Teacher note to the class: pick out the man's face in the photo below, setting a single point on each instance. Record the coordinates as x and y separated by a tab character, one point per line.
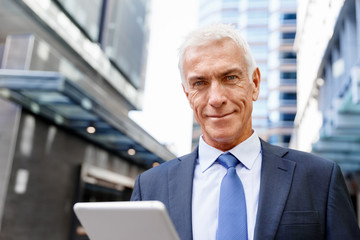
220	92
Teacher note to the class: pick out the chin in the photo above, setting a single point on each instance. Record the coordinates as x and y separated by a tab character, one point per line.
223	134
223	139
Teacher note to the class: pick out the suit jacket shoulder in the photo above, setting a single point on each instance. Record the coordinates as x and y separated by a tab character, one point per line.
302	194
170	183
157	176
295	155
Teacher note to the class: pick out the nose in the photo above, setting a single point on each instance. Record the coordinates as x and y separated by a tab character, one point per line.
217	94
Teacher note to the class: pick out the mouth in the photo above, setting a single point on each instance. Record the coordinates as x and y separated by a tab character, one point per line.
218	116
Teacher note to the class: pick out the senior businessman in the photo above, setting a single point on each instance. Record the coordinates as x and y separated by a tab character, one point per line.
235	185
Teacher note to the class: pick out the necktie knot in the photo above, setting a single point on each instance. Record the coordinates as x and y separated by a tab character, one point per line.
228	160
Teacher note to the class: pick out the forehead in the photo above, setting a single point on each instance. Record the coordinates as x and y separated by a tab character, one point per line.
220	45
213	55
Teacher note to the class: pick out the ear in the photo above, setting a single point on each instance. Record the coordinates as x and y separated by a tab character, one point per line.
184	89
256	78
187	94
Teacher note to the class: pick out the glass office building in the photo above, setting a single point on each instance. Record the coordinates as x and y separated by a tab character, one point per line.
269	26
71	70
329	80
328	120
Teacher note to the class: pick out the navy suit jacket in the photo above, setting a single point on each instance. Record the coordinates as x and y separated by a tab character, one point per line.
301	196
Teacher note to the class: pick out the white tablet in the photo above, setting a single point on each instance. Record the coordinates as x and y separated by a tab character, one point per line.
126	220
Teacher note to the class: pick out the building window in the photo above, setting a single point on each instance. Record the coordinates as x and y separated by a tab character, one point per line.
288	35
119	27
288	19
288	75
125	36
288	96
86	14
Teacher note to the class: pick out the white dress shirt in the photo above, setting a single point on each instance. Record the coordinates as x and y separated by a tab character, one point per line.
206	185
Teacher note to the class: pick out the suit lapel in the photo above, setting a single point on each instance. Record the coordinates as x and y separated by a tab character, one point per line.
276	179
180	194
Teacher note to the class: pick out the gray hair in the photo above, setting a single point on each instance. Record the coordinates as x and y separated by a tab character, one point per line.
211	33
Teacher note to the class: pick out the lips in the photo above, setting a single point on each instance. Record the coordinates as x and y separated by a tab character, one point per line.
219	115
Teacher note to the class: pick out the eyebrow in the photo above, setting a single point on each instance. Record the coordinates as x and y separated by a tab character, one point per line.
232	70
196	77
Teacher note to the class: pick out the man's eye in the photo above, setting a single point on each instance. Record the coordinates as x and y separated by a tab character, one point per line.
198	83
231	77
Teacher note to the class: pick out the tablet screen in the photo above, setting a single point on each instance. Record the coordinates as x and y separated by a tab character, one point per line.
126	220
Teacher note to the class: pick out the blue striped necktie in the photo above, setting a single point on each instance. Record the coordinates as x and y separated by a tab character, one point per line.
232	220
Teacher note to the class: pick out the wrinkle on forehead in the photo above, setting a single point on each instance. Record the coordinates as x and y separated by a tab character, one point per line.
198	55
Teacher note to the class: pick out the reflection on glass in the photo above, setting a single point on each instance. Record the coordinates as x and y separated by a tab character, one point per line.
125	34
86	13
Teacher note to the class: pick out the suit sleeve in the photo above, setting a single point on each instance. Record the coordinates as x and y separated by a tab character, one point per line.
341	219
136	194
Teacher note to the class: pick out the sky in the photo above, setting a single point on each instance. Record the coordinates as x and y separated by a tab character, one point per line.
166	114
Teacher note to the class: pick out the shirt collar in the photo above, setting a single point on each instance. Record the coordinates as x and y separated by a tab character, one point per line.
246	152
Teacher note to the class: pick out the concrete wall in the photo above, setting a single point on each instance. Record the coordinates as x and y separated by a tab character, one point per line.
44	177
9	117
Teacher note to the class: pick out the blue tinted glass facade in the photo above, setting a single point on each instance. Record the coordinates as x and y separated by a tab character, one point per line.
87	14
119	27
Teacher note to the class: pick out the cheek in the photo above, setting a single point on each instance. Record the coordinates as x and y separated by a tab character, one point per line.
193	96
245	91
243	85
